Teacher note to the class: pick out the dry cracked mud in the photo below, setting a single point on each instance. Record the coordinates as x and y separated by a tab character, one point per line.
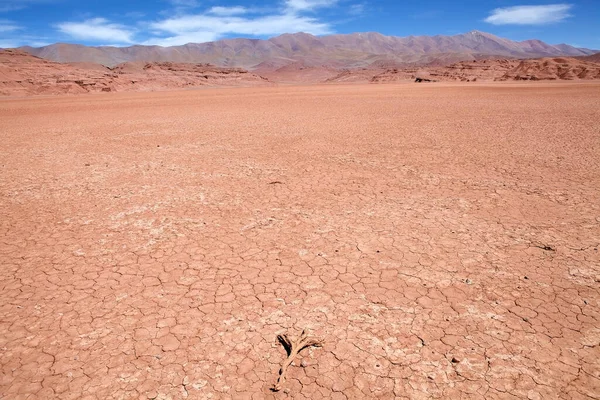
443	239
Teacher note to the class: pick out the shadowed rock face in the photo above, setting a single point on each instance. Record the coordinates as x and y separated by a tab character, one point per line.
24	74
349	51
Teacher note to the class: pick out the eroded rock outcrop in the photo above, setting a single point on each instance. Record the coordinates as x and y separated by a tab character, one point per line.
24	74
552	69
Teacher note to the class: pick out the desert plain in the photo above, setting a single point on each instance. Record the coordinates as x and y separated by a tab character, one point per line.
442	240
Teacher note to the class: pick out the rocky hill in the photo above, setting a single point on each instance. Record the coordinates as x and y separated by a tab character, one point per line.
24	74
553	69
558	68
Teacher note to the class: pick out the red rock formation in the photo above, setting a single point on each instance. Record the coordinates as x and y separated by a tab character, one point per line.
482	70
553	69
24	74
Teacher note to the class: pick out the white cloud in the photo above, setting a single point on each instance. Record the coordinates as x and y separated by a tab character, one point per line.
10	7
225	11
308	5
23	41
97	30
529	15
8	26
213	25
356	9
184	3
185	26
263	25
8	44
14	5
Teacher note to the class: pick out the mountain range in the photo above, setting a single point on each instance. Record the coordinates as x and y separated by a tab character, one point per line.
335	51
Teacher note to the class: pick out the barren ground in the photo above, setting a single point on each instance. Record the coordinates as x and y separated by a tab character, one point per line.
441	239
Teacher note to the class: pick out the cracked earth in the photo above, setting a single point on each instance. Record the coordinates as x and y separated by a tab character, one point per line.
442	240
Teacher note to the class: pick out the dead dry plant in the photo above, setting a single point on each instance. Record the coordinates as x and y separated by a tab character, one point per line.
293	348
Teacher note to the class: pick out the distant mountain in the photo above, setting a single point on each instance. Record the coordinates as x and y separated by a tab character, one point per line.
592	58
334	51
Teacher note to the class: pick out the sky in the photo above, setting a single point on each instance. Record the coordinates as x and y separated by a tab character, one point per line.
177	22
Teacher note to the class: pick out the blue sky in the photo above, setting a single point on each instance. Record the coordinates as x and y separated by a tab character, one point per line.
176	22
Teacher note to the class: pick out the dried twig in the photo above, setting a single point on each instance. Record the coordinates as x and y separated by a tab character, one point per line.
292	348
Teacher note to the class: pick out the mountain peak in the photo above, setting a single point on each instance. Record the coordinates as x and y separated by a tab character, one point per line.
299	34
479	33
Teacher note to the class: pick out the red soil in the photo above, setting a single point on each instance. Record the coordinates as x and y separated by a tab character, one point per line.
443	241
297	72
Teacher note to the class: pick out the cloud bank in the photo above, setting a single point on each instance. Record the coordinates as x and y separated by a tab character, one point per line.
529	15
186	23
218	22
8	26
97	30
